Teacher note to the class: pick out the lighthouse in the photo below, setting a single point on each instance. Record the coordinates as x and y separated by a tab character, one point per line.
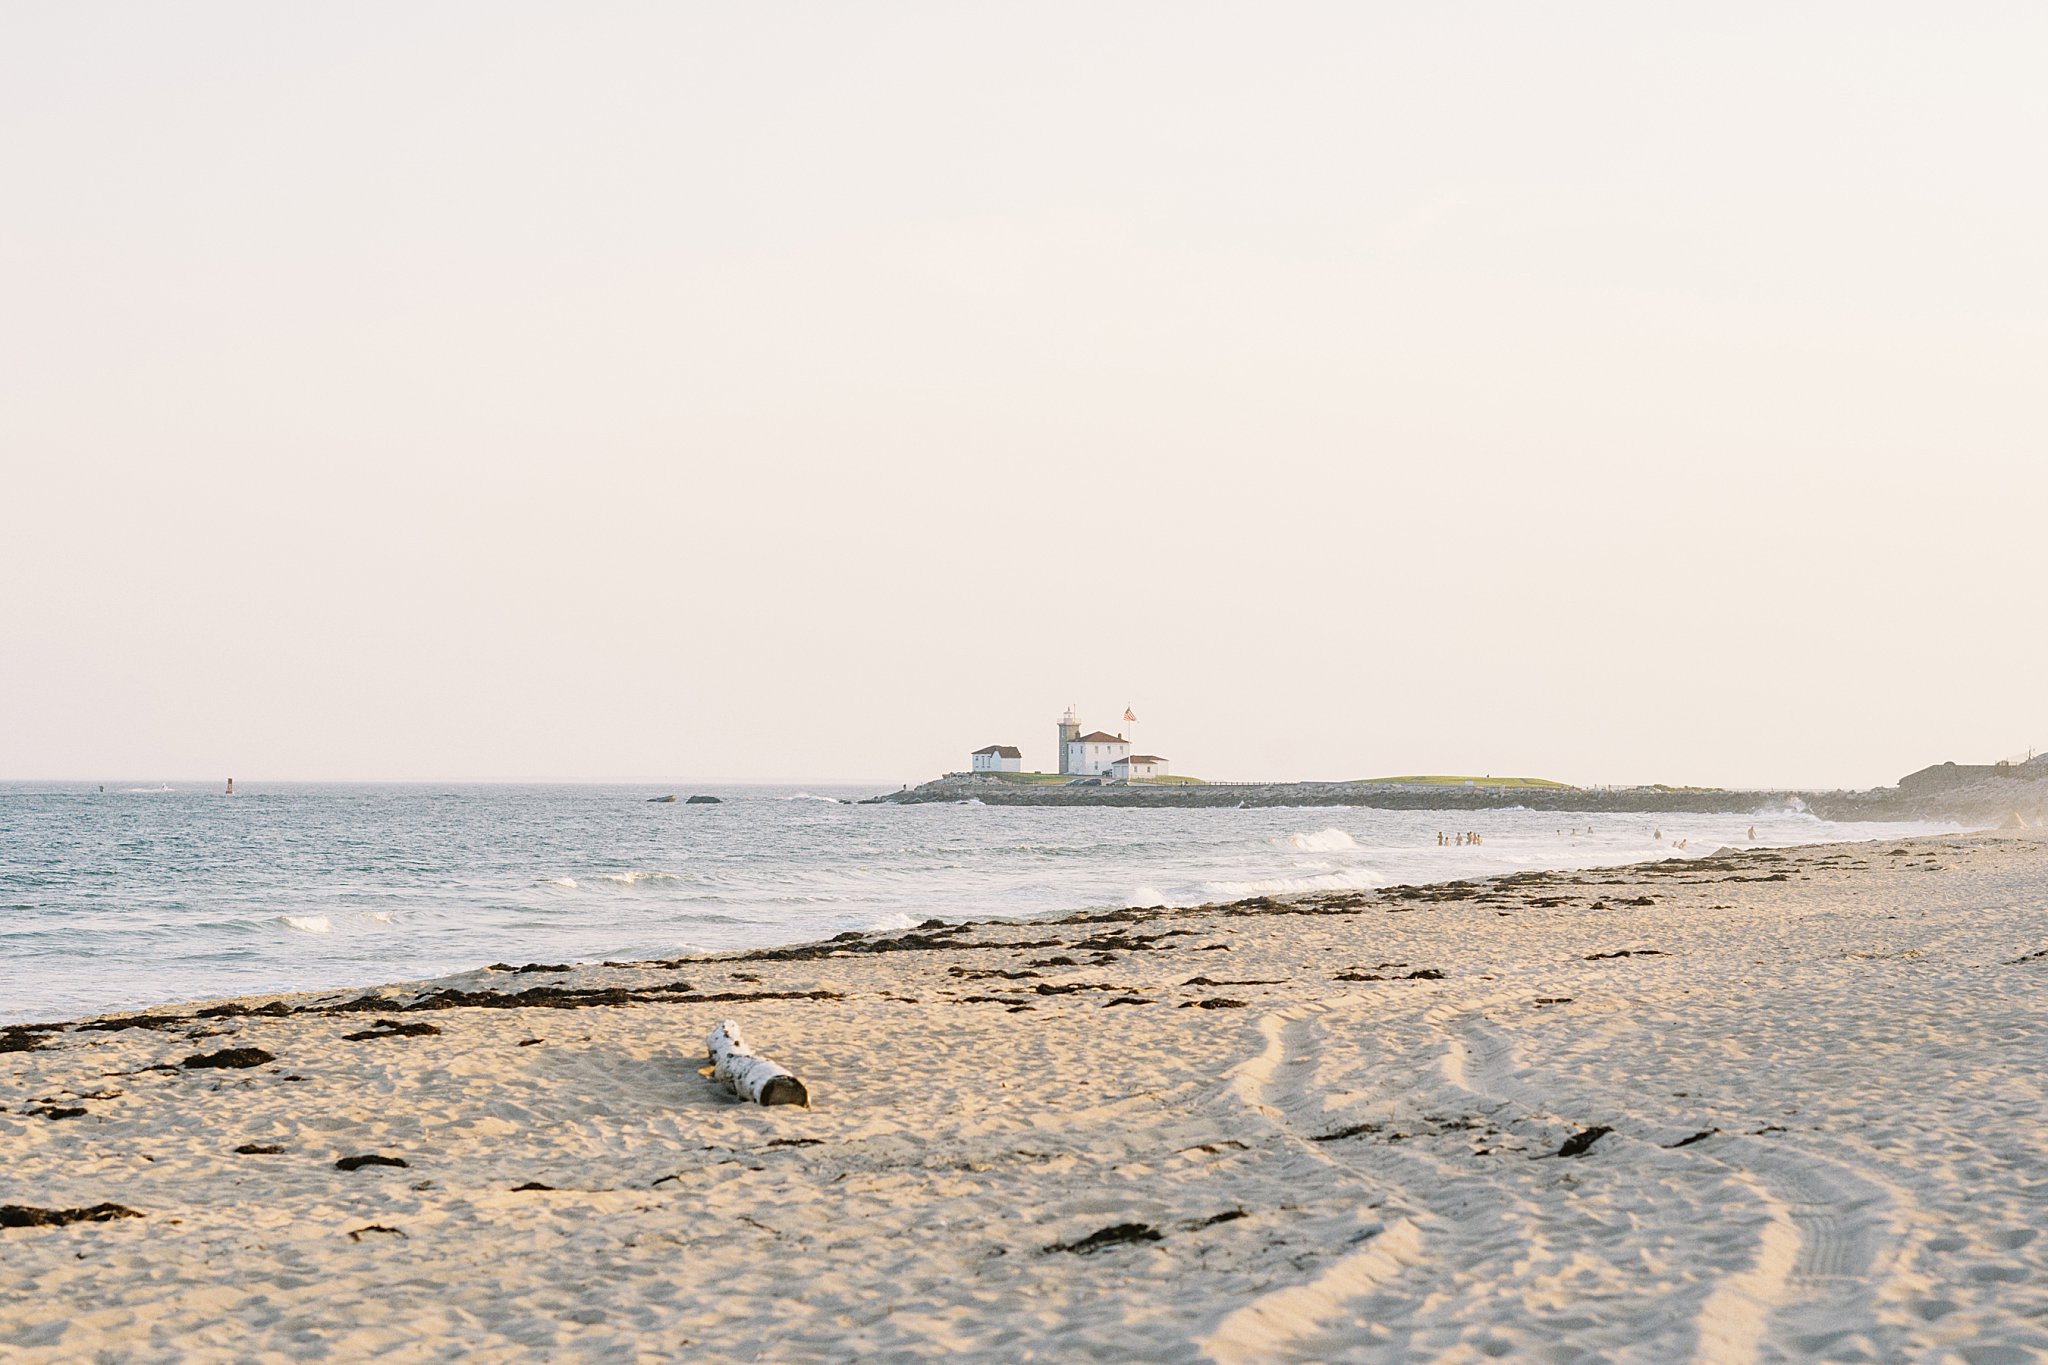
1070	731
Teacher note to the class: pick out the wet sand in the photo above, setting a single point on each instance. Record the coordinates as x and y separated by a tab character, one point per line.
1768	1105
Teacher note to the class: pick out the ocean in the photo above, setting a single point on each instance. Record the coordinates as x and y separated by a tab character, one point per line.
147	893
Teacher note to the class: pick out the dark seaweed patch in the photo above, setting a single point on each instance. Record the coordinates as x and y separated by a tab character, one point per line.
1580	1143
28	1216
392	1028
229	1058
20	1038
1116	1235
357	1235
1354	1130
356	1163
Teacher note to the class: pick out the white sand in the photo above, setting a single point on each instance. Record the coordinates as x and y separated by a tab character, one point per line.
1866	1054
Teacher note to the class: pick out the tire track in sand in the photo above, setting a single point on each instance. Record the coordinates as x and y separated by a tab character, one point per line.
1278	1324
1829	1236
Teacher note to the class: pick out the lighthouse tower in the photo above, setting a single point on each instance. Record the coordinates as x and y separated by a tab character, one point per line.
1070	730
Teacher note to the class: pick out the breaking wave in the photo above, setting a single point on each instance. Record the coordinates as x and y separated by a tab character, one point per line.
307	924
634	878
1322	841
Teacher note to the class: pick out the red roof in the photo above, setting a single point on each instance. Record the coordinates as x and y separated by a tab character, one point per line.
1100	738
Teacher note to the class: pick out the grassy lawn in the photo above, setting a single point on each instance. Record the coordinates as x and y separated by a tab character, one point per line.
1443	781
1056	779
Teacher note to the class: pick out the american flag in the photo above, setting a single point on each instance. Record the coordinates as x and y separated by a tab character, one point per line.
1130	715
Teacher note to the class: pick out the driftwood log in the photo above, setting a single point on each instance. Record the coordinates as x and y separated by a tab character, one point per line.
753	1078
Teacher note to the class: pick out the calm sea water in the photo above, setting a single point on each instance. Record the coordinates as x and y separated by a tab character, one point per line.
143	894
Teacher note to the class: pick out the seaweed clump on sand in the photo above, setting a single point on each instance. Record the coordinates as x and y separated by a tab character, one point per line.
229	1058
28	1216
356	1163
1119	1234
21	1038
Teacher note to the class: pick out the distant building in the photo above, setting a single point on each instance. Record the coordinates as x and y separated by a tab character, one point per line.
999	758
1137	765
1090	755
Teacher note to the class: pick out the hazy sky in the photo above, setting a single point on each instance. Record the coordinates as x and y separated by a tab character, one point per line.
1607	392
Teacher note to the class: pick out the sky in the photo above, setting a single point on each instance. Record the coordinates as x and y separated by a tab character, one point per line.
1605	392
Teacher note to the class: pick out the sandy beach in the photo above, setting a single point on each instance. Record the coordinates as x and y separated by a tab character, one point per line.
1773	1105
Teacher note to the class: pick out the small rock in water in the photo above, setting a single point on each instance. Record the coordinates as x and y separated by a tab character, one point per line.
703	801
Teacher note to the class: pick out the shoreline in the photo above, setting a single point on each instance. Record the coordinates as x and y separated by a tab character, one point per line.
1329	1125
1040	917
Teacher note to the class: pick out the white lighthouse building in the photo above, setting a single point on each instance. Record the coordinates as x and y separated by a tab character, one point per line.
1089	755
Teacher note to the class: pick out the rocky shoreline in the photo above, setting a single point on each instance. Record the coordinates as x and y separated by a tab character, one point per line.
1990	800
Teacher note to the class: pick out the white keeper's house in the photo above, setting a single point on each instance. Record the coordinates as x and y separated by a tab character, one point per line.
1098	754
1093	754
999	758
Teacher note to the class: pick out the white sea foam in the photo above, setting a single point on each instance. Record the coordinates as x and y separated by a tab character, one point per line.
381	917
566	883
809	796
1322	841
1356	879
633	878
891	923
1145	895
307	924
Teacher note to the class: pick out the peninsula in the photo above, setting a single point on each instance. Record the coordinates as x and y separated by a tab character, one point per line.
1096	770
